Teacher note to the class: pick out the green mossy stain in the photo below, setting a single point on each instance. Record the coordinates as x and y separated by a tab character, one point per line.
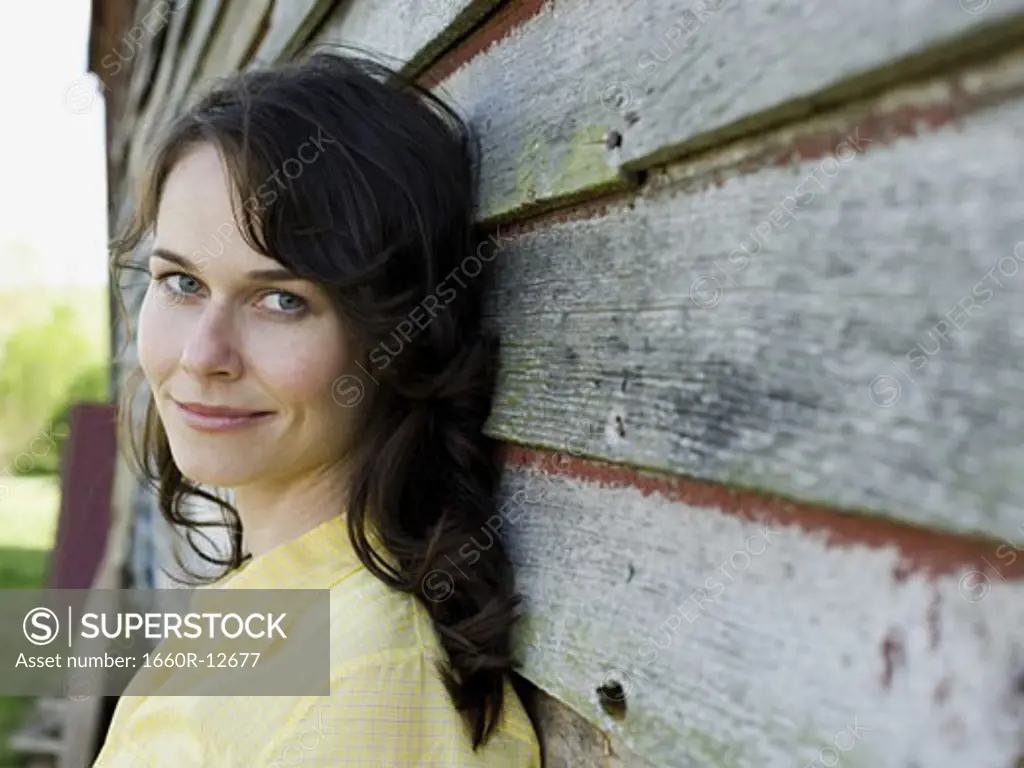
584	164
541	176
532	167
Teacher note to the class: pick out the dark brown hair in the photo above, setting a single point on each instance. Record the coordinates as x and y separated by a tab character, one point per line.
381	218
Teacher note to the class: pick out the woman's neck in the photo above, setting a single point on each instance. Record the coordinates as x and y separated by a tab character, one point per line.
274	514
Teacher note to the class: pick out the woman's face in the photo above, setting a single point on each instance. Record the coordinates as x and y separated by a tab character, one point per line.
241	357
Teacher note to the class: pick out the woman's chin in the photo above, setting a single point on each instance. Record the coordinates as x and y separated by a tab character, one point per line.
216	478
214	470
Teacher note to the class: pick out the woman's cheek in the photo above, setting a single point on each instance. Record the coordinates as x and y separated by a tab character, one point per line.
300	363
296	375
157	337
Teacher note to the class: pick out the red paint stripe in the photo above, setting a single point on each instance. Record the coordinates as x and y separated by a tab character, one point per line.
921	550
491	31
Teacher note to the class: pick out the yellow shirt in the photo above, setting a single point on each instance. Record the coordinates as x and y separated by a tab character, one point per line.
388	705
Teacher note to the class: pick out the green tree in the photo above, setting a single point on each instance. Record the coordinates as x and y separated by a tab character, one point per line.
41	366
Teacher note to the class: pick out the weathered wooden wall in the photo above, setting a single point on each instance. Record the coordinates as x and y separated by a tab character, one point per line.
757	283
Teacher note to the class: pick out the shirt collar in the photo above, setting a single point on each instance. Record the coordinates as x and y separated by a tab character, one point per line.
313	560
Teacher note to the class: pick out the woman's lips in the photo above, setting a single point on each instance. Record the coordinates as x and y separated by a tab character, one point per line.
210	419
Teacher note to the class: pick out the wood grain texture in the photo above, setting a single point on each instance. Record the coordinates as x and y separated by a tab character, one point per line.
291	24
241	28
206	14
409	33
136	57
532	98
145	42
852	337
723	63
568	740
666	75
156	110
743	644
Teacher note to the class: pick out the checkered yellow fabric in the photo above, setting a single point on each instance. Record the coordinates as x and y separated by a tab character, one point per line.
388	706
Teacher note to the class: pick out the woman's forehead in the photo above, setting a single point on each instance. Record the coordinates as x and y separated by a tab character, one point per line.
197	191
196	218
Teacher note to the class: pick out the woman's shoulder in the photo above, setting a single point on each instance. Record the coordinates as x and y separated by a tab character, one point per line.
382	638
371	622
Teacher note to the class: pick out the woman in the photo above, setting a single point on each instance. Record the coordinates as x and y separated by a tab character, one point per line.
311	340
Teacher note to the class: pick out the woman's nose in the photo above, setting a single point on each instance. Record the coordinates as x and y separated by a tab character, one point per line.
211	347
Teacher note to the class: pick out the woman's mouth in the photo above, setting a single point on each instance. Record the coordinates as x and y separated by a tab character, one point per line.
215	418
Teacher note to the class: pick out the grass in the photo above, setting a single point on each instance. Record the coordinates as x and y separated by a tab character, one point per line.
28	525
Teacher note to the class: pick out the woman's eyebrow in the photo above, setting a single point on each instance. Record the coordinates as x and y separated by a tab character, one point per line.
279	273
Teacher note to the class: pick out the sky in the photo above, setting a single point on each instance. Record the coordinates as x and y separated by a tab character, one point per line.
53	217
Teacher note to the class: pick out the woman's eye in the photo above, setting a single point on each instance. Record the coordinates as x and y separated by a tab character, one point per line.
285	303
178	282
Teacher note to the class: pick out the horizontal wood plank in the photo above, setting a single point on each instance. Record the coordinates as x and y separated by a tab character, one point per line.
408	33
141	48
533	98
136	58
206	14
291	24
568	740
698	638
852	337
549	98
726	64
151	117
241	28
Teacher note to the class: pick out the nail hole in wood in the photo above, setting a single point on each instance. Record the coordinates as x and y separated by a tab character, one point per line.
612	697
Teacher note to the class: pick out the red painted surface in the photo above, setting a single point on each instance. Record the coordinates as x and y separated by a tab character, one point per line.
921	549
492	30
87	478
